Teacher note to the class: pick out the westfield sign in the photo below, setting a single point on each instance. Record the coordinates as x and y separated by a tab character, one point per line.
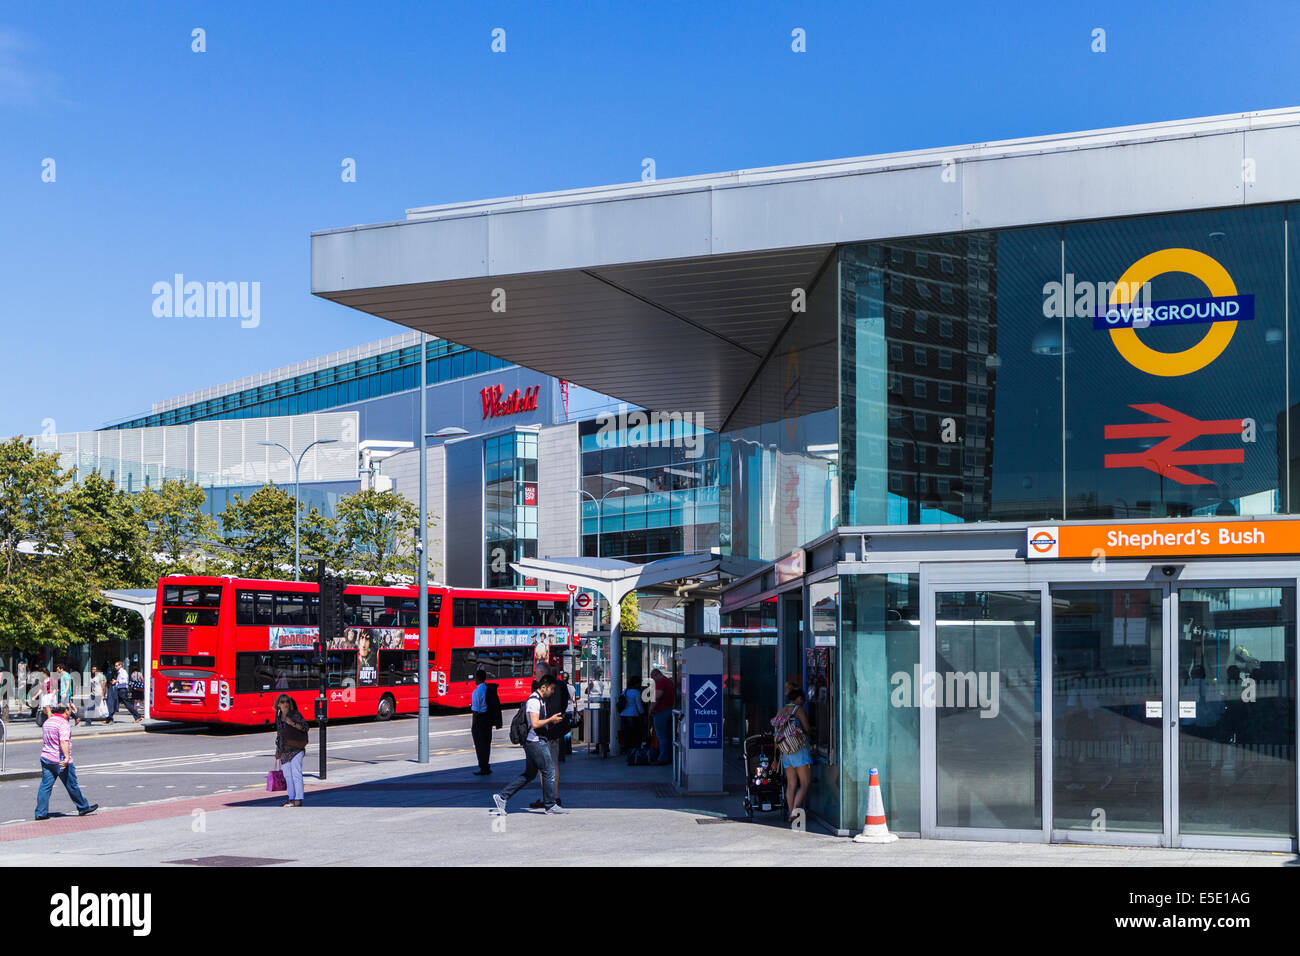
497	403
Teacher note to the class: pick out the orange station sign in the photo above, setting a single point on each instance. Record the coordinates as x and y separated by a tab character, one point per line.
1164	540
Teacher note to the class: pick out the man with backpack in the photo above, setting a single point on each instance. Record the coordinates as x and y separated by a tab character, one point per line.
529	728
557	703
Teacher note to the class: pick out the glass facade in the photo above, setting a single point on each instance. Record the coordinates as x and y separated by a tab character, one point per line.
1134	368
510	506
1137	368
779	454
879	655
671	468
343	384
749	647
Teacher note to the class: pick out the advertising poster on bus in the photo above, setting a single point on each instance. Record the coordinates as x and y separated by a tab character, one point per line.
291	638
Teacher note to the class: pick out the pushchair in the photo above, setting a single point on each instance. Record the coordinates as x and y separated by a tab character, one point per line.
764	783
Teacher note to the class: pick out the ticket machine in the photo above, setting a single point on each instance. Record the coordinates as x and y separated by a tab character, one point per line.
700	729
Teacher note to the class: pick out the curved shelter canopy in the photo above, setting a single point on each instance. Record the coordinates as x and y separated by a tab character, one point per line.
671	294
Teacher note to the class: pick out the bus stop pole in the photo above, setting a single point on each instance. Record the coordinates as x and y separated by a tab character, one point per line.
422	729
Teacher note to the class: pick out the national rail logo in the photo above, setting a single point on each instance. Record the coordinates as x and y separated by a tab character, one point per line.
1221	310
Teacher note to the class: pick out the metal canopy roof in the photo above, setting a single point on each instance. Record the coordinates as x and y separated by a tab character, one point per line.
668	294
688	575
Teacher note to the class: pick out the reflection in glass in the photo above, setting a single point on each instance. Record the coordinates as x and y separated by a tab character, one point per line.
880	641
988	706
1107	753
1236	693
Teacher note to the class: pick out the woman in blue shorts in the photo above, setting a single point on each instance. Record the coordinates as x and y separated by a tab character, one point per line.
791	725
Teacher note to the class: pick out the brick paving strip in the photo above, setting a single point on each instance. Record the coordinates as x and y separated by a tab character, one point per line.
122	816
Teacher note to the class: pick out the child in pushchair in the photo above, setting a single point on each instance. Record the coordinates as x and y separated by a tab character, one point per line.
764	786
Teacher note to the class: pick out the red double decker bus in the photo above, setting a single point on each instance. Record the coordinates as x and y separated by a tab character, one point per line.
225	648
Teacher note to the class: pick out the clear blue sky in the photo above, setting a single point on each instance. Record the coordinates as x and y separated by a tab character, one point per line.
219	165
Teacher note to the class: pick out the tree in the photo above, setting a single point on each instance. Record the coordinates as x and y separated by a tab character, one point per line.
110	530
629	612
181	535
259	532
48	589
110	541
374	537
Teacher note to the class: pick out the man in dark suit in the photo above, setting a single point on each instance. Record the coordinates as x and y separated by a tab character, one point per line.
485	706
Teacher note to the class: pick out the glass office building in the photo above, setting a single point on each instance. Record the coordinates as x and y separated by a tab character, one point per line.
1012	425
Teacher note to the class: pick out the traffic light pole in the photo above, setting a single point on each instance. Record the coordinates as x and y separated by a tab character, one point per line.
322	699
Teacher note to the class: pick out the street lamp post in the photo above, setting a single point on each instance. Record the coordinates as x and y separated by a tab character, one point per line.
422	743
614	670
422	730
598	507
297	463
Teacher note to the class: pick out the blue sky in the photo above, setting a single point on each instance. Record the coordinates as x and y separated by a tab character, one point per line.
218	165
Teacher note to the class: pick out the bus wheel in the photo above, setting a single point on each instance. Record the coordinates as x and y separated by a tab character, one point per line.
387	707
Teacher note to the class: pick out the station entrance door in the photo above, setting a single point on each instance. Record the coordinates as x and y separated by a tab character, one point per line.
1137	704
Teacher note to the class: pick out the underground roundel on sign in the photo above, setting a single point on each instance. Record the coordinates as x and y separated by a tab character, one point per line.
1043	542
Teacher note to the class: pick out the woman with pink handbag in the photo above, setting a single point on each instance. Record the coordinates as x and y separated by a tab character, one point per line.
290	746
789	728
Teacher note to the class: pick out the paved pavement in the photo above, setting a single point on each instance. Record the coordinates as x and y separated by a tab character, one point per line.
388	810
169	761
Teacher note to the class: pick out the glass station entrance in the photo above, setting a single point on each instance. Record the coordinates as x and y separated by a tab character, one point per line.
1140	704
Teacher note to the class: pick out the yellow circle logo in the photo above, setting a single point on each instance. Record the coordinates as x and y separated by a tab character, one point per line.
1169	364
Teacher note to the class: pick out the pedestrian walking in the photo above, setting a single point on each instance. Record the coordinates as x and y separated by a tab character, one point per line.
537	751
290	746
556	705
96	704
662	715
63	681
119	692
56	764
482	722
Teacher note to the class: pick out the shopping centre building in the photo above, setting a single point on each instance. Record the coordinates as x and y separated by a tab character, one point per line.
525	480
1009	426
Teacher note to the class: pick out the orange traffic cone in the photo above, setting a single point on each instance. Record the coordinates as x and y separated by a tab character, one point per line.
874	829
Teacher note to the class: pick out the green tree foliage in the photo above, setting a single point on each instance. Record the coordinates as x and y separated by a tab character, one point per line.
109	527
259	533
182	536
374	537
629	612
48	581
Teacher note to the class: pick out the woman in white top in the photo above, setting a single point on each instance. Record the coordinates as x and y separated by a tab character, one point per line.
97	686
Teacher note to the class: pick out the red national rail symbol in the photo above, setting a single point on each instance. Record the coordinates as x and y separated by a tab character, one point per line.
1177	430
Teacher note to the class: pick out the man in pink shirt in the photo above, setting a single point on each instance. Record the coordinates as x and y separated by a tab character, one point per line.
56	762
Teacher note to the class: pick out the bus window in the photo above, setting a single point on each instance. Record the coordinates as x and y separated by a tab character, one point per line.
191	596
512	614
398	667
341	669
464	612
290	609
